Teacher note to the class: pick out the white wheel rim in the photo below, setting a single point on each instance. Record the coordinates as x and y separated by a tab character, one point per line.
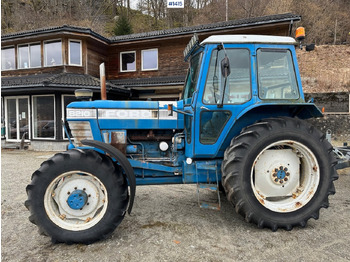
285	176
58	209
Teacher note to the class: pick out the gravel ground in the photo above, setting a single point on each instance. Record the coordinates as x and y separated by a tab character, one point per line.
167	225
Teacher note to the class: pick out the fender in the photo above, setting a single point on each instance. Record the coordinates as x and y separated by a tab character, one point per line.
301	110
255	112
122	160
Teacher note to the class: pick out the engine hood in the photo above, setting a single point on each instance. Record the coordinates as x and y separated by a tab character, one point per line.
127	114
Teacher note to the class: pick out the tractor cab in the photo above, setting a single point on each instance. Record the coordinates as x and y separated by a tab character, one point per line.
235	80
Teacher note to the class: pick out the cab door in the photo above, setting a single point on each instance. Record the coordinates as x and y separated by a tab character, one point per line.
220	100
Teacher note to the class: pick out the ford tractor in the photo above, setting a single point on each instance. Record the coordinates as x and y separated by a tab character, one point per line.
240	127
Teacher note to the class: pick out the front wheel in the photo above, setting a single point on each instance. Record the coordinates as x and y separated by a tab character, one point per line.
77	197
279	172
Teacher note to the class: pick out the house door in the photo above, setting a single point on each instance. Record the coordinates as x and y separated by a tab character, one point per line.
17	118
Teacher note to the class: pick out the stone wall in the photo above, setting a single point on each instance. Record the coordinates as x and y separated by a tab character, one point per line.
37	145
332	102
337	114
338	124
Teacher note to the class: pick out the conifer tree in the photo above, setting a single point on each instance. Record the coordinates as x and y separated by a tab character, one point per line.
122	26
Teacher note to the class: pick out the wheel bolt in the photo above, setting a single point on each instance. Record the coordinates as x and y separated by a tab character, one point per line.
285	179
75	188
276	180
68	193
89	195
84	189
287	174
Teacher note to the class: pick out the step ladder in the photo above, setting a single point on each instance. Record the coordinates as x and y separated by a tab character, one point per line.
212	187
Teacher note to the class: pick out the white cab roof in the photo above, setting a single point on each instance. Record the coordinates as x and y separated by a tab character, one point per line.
249	39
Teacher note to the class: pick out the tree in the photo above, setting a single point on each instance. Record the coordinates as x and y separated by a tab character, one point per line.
122	26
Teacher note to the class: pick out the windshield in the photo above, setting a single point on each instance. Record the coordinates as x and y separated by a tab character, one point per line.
191	79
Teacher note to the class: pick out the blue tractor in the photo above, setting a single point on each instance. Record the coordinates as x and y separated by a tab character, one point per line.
239	127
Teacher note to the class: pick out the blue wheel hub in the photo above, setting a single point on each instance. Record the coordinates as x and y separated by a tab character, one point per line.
77	199
280	175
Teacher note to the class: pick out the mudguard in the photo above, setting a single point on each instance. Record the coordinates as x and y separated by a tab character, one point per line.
122	160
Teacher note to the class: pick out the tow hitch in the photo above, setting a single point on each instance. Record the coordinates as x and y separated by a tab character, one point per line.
342	153
343	156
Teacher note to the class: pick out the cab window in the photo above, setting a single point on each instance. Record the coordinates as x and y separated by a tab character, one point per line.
211	125
192	78
276	74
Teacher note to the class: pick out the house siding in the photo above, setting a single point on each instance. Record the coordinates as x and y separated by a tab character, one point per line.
170	59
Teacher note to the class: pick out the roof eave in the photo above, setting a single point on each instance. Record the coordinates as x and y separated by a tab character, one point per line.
61	29
58	87
205	30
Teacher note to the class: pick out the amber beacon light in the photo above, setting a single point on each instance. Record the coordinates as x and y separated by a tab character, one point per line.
300	33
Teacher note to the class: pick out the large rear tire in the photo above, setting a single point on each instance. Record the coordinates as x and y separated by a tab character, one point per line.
279	172
79	196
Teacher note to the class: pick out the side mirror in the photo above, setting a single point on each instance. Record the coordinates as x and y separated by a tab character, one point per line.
225	67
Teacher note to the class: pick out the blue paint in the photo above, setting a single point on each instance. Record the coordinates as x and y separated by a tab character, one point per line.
77	199
159	180
109	104
131	149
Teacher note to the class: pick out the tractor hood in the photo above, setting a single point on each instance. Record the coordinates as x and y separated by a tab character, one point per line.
127	114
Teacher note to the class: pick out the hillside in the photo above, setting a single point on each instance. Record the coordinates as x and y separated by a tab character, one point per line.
325	21
326	69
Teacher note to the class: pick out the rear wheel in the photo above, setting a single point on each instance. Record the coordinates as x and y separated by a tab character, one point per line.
77	197
279	172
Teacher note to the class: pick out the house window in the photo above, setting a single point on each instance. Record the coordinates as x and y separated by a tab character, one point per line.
29	56
128	61
75	52
2	118
35	55
23	56
44	116
149	59
8	58
53	53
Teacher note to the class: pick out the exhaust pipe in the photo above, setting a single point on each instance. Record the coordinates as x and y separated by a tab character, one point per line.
103	82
